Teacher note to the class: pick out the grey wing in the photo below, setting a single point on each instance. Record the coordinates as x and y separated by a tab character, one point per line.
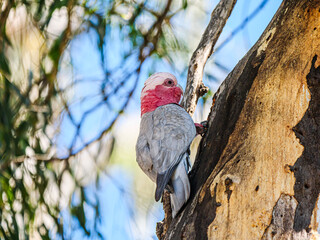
173	132
143	148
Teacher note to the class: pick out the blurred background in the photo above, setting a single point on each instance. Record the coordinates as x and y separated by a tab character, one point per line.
71	73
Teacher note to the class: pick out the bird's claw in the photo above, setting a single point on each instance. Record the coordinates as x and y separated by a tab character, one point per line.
205	124
202	128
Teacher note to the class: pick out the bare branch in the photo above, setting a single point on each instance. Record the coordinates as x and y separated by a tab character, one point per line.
195	87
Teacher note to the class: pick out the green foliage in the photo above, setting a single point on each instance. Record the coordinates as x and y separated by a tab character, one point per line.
31	99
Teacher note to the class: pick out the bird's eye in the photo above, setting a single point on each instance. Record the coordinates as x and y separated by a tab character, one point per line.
169	82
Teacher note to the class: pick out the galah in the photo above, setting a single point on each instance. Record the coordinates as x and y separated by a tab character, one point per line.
166	132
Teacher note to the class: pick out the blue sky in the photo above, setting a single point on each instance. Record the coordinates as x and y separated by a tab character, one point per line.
118	209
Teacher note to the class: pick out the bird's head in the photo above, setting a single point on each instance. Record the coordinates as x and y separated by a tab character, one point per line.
159	89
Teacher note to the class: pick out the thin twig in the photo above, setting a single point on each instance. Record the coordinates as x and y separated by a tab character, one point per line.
195	87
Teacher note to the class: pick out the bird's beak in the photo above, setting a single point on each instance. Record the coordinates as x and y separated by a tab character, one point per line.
178	85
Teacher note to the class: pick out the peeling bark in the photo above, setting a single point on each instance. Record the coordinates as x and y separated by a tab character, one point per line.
281	226
307	168
282	218
257	171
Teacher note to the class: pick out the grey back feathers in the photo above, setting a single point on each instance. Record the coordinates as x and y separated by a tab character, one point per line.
163	142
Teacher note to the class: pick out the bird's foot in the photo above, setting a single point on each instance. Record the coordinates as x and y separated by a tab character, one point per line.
202	127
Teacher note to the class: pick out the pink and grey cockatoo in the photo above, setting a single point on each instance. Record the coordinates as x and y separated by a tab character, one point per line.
166	132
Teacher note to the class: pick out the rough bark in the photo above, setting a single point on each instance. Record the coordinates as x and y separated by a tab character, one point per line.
257	172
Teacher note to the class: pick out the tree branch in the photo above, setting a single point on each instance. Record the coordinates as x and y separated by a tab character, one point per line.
195	87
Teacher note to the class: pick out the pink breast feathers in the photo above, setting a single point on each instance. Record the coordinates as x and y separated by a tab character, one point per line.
159	96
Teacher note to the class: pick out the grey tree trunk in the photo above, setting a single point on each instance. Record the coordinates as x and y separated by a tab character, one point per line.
257	172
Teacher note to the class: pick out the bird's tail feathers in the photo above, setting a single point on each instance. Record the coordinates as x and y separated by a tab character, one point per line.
163	178
181	186
162	181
